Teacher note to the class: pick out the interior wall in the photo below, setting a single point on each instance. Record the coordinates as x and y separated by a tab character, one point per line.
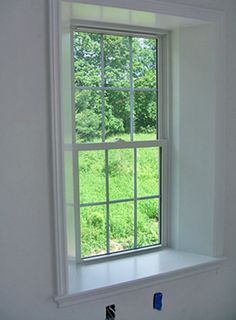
27	277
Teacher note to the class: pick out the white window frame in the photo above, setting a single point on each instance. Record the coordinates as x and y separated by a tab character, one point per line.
161	142
62	295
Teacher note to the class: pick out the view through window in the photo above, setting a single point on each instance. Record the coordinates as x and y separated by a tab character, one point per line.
116	140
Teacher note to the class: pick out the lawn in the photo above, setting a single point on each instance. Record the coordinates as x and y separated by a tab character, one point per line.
121	186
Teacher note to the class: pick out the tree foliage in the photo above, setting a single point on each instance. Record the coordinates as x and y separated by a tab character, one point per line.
116	72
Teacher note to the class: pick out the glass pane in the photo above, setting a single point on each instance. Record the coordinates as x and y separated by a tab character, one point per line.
117	115
116	61
148	222
121	174
92	175
148	171
93	230
121	226
145	115
144	62
87	59
70	231
88	117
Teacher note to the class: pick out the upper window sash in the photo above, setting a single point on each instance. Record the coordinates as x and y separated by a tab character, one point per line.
130	89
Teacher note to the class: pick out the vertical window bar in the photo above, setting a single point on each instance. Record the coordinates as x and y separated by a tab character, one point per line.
160	193
102	80
106	151
107	203
131	90
77	204
159	88
132	137
135	198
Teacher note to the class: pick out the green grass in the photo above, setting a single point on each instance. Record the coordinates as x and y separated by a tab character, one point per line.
121	186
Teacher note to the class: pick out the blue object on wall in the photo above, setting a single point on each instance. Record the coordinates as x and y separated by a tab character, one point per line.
157	301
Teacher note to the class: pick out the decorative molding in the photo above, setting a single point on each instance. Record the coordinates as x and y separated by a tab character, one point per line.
161	7
57	154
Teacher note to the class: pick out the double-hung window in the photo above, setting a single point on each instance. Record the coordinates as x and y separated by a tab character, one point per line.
117	142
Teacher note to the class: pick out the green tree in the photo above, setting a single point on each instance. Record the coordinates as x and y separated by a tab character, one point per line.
87	67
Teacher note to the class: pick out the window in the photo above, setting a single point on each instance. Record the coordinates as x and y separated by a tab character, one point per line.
185	69
117	150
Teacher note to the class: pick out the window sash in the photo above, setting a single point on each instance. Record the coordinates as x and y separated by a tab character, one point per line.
131	89
76	147
112	146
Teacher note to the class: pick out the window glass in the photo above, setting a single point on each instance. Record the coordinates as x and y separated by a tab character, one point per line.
87	59
88	116
148	172
144	62
118	179
117	115
116	61
93	230
121	226
92	176
148	222
121	174
145	115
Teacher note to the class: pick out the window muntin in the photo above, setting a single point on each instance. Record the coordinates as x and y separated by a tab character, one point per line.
123	95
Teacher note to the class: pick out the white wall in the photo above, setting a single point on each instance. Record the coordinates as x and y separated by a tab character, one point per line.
26	240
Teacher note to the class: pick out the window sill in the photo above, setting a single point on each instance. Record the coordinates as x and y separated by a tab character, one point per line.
101	280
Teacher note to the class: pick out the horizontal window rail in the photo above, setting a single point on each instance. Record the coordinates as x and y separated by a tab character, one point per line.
115	89
119	144
117	254
115	201
118	30
118	201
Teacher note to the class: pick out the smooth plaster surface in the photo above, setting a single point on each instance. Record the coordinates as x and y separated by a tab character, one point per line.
26	218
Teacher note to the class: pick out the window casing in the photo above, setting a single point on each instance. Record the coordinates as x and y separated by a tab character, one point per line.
108	145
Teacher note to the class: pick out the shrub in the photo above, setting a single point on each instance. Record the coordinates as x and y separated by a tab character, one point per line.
97	220
87	125
113	125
